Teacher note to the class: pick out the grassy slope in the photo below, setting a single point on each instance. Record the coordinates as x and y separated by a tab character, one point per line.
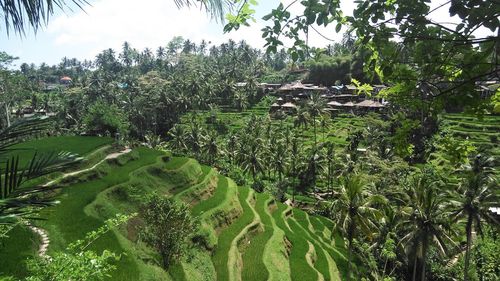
14	263
75	144
68	221
226	237
228	217
254	251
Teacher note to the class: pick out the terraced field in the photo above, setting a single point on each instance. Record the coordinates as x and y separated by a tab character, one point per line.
483	132
247	235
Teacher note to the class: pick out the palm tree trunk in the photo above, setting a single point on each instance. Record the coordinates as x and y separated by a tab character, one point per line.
424	257
350	237
315	141
349	253
468	230
414	276
7	114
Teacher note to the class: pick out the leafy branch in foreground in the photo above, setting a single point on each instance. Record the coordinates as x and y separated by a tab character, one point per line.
35	13
17	197
79	263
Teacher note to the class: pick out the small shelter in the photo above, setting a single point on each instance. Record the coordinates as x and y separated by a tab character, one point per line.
334	104
369	104
65	80
274	107
289	107
350	89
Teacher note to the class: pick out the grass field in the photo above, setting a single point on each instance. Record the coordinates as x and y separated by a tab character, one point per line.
248	236
74	144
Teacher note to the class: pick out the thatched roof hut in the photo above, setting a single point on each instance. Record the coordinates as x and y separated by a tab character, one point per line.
289	105
370	104
334	103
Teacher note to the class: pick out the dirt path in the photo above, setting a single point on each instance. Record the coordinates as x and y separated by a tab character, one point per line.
109	156
44	245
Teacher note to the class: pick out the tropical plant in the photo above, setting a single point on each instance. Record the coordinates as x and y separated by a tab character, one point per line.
168	226
78	262
18	198
18	14
425	220
316	107
353	210
302	117
473	199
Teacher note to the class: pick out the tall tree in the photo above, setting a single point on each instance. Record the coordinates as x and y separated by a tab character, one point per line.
472	201
426	220
353	210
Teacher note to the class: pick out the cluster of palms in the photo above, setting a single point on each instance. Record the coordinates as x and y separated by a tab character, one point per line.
153	88
374	198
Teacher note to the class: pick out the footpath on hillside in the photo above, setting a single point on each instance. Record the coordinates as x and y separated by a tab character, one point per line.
42	250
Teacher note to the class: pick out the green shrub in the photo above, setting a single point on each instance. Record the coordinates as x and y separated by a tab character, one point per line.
168	227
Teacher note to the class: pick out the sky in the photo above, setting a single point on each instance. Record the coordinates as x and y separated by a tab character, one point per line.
152	23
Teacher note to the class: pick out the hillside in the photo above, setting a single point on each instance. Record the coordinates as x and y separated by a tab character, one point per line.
243	230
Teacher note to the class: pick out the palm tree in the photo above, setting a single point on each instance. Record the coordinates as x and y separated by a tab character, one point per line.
35	13
316	107
279	160
302	117
353	211
195	137
330	164
252	158
295	162
178	141
425	219
474	198
324	124
231	147
211	147
240	100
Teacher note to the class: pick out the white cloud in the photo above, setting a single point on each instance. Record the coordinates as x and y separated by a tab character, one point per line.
148	23
152	23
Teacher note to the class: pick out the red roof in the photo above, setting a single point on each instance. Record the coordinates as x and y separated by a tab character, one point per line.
66	78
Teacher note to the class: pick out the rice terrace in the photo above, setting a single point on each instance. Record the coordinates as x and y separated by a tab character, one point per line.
261	140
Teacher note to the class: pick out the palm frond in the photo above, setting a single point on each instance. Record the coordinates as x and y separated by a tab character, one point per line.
35	13
216	8
22	129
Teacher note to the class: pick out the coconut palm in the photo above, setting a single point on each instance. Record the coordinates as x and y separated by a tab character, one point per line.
252	158
316	107
178	141
302	117
279	160
353	211
425	219
240	100
211	147
195	137
330	164
474	198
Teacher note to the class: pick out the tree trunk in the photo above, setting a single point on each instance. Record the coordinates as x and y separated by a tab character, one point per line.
350	237
468	230
315	142
414	276
7	114
425	246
